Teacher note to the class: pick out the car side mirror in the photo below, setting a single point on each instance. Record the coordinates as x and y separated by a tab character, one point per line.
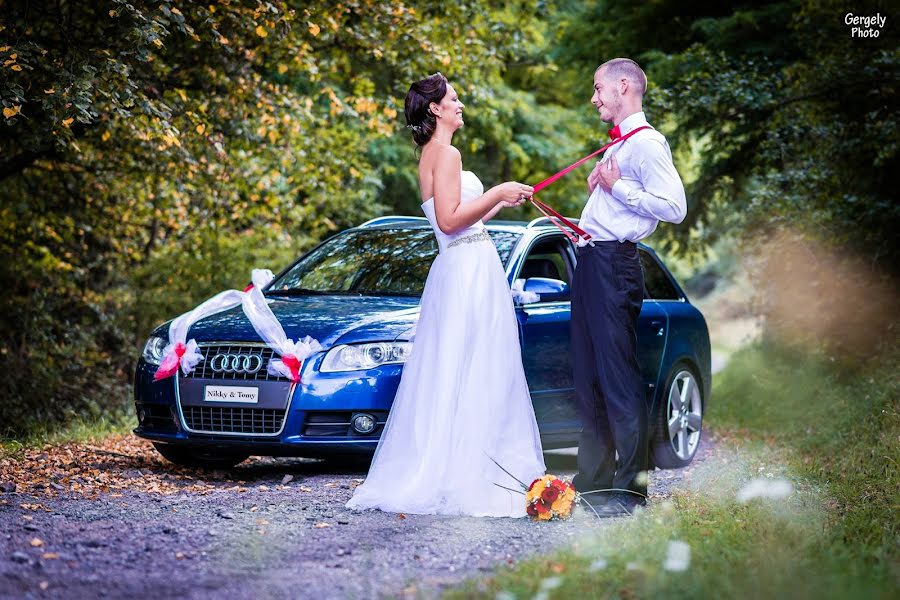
548	289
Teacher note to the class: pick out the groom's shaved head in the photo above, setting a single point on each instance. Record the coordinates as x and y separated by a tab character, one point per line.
625	68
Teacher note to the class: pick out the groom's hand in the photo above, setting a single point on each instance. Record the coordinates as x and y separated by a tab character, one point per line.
594	178
607	173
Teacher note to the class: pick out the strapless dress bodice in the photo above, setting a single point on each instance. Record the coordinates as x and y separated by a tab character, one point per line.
470	189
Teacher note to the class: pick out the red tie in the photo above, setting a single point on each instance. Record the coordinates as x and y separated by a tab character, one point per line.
614	133
551	214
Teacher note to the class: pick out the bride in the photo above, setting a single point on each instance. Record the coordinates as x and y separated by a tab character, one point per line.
462	406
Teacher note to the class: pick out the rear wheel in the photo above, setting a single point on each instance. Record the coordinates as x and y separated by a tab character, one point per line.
204	459
679	418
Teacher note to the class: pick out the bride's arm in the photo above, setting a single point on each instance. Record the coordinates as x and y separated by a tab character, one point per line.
492	213
451	214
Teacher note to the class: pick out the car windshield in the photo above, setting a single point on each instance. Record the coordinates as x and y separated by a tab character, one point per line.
372	262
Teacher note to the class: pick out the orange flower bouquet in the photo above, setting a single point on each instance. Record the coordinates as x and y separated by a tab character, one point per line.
549	498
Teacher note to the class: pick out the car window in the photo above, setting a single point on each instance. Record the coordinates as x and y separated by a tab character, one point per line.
657	284
505	241
372	262
547	258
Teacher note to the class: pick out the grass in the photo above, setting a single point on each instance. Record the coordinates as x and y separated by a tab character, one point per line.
844	427
79	429
832	433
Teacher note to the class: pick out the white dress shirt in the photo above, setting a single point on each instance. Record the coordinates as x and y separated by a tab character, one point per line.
649	191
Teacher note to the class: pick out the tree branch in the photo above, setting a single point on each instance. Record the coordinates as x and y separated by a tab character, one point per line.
20	162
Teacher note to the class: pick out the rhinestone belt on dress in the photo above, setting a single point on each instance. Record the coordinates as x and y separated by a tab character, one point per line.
481	236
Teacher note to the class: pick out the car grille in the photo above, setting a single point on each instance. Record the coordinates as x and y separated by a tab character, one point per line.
233	420
203	370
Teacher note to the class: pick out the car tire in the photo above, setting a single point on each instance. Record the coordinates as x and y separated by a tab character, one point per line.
204	459
678	420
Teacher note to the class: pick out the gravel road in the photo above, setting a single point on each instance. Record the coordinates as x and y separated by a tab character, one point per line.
269	528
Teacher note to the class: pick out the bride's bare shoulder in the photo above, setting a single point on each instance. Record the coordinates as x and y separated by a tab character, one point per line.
437	162
435	154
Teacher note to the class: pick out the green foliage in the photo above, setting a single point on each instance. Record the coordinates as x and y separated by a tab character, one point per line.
788	117
736	551
152	152
844	425
141	140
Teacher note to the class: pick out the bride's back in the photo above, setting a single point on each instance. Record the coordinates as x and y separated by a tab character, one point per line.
432	153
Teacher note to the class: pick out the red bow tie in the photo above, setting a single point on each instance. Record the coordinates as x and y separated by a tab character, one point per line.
614	133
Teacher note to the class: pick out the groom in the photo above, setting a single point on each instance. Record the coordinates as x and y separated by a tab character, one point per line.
632	188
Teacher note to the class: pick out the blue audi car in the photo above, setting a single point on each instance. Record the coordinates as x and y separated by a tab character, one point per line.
358	294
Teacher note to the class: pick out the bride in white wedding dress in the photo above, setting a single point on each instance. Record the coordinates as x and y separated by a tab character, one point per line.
463	401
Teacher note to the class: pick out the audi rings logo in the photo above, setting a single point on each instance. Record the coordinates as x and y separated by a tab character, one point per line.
246	364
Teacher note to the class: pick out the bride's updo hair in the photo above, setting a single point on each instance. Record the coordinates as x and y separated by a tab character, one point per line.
419	118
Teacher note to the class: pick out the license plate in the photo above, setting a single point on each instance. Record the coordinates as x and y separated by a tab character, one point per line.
230	393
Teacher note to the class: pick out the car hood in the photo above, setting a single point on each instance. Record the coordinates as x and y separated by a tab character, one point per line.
329	319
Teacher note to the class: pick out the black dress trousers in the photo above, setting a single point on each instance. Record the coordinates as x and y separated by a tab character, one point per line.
607	293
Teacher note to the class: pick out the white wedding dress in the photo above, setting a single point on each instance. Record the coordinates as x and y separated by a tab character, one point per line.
462	399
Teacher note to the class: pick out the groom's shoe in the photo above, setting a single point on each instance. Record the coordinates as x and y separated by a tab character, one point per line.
596	499
595	502
620	504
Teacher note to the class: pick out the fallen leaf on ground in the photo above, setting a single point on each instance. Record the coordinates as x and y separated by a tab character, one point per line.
111	465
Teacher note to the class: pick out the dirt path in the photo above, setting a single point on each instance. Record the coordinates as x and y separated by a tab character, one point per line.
117	521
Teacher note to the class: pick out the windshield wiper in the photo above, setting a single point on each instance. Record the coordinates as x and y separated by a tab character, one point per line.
297	292
305	292
386	293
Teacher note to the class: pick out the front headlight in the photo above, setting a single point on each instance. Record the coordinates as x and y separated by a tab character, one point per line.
357	357
153	350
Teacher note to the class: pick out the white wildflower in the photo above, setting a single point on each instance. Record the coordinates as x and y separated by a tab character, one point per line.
678	556
551	583
643	478
598	565
775	489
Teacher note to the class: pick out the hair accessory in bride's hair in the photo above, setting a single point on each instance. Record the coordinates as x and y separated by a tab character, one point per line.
416	106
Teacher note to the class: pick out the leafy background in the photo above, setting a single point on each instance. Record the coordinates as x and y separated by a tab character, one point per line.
153	152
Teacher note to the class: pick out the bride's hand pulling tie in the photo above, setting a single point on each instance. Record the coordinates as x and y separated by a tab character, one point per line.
513	193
